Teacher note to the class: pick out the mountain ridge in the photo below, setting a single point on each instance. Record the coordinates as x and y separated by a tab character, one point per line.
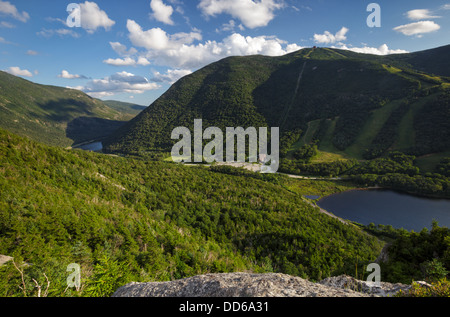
294	90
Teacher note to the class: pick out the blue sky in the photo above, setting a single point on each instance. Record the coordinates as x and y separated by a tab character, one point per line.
134	50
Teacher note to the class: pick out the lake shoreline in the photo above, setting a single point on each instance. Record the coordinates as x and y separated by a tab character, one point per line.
400	191
387	207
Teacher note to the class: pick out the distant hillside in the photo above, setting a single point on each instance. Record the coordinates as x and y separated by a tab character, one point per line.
124	107
352	105
55	115
434	61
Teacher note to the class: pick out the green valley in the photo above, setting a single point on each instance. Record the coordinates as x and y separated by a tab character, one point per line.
157	221
347	121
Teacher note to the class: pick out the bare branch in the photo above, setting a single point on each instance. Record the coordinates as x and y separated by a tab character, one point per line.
23	282
48	286
38	287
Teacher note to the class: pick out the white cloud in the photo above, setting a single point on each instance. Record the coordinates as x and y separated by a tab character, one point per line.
92	17
32	53
9	9
16	71
417	28
122	49
382	50
65	74
446	7
7	25
127	61
142	61
230	27
129	56
61	32
180	50
328	38
161	12
171	76
251	13
158	39
420	14
122	82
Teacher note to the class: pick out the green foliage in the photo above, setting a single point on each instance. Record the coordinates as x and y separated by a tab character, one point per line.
444	167
435	270
437	289
306	153
417	256
387	135
107	277
395	162
432	126
156	221
326	169
434	185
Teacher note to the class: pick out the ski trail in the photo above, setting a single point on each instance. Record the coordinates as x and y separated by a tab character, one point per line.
289	107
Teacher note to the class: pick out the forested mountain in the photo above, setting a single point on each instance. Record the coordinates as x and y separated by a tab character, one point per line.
56	115
124	107
357	105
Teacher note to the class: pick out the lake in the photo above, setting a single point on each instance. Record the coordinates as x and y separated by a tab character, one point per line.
95	147
388	207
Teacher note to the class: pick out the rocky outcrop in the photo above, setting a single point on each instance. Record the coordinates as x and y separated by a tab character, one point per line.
4	259
382	289
256	285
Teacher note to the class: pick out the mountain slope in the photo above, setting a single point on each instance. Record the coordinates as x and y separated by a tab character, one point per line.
144	221
54	115
292	91
433	61
124	107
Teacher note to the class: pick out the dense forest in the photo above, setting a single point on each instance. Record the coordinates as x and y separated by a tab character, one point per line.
414	256
126	219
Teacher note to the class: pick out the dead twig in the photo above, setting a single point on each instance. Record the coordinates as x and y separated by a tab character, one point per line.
23	281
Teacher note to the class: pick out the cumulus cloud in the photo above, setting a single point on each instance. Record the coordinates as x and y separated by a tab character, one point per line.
66	75
6	8
122	49
161	12
328	38
127	61
92	17
171	76
251	13
16	71
420	14
122	82
158	39
418	28
181	51
130	57
230	27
